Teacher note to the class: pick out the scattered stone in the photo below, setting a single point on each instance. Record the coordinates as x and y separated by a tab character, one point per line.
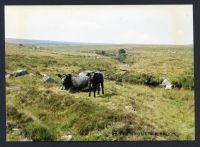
20	72
66	137
125	65
8	76
15	130
167	84
48	79
130	109
25	139
41	74
168	87
99	57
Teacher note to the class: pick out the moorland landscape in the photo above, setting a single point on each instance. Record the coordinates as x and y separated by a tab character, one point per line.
130	109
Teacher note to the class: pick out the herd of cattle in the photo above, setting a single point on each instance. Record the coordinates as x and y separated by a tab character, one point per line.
88	81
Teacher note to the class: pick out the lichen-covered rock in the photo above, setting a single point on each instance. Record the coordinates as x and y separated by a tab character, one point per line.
167	84
25	139
7	76
66	137
20	72
48	79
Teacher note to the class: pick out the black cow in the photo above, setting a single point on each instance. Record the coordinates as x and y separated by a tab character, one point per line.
74	83
95	80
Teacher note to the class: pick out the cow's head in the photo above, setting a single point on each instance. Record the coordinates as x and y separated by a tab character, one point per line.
65	80
90	74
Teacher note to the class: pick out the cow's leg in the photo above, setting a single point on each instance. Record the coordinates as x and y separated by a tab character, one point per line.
102	87
90	92
90	89
95	88
98	88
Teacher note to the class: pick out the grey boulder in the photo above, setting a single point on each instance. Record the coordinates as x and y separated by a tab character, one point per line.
20	72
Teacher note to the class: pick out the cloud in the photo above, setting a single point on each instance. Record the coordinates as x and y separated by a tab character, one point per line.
155	24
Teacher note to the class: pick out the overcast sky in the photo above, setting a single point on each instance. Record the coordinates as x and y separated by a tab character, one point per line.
141	24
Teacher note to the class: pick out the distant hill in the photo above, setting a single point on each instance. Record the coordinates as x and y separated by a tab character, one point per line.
47	43
62	44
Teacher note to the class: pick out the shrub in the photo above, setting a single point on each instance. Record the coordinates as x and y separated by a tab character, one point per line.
11	111
122	55
38	133
122	130
104	53
187	82
101	52
42	116
10	126
18	118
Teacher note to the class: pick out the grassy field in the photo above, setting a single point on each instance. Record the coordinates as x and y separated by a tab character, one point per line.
129	110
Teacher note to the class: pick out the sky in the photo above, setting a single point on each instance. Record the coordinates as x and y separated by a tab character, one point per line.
134	24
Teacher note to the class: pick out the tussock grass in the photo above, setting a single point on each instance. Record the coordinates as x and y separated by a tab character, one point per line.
129	110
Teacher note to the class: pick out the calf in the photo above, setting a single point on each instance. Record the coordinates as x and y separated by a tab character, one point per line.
95	80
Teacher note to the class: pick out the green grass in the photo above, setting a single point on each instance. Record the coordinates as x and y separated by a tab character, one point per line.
129	110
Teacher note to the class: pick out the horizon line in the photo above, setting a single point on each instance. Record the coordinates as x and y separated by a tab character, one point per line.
98	43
